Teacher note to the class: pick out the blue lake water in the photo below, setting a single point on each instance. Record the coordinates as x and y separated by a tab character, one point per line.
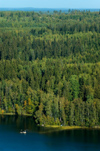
41	139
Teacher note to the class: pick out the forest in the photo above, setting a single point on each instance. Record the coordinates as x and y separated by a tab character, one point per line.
50	66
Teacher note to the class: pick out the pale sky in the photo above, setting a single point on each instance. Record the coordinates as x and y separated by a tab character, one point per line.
50	3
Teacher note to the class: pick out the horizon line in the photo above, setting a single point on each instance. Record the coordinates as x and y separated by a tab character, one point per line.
43	8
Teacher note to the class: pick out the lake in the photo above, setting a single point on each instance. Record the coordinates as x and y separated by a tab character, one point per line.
42	139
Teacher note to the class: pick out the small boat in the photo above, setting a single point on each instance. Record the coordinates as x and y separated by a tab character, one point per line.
23	132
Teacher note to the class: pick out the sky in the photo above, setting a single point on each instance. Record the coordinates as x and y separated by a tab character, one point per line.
50	3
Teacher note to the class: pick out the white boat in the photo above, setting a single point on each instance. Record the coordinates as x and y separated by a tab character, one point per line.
23	132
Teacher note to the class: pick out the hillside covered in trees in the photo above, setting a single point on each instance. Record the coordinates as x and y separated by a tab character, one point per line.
50	66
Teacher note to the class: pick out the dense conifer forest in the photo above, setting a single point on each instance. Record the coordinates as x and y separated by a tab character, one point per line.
50	66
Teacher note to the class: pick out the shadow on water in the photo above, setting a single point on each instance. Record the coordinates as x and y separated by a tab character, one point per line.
18	122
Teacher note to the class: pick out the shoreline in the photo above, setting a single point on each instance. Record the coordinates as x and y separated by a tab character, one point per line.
15	114
58	127
55	127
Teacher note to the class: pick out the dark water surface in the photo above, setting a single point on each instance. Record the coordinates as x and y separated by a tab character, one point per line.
41	139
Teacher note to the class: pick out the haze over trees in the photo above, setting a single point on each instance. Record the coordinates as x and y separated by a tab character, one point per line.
50	66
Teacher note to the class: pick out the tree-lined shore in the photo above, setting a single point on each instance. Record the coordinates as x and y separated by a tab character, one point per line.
50	66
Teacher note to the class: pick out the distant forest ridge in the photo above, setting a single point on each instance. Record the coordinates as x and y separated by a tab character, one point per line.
50	66
47	9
